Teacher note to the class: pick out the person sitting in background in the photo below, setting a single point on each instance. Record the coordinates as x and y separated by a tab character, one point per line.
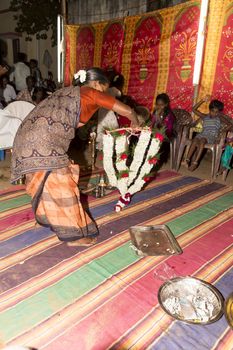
226	157
26	94
35	72
20	72
8	90
49	83
39	94
162	116
210	130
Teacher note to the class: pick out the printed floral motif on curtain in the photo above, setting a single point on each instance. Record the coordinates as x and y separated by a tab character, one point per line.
182	56
85	48
112	47
144	61
67	60
223	85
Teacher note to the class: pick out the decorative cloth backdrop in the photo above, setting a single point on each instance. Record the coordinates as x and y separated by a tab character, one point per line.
217	76
156	51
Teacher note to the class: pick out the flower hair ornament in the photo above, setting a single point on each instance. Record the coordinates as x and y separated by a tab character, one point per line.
81	75
116	78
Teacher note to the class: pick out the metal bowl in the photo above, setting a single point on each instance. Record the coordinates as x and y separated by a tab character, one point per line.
191	300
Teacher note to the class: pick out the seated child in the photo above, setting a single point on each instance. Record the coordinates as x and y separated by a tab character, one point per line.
162	115
210	131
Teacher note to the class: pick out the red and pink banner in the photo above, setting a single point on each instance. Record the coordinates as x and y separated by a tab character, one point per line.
85	48
144	61
223	83
182	55
112	47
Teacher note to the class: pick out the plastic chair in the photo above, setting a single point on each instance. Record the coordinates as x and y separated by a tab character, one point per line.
182	121
10	119
216	148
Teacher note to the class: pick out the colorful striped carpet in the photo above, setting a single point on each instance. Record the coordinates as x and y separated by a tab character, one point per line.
56	297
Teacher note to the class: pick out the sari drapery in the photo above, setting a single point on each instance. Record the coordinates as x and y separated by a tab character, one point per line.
56	203
40	152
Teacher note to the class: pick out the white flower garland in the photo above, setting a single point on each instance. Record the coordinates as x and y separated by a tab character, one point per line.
108	147
146	168
139	153
121	147
132	183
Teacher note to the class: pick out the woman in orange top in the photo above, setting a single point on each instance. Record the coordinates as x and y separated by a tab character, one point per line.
40	153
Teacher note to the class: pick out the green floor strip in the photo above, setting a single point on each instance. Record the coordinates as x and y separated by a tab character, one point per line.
14	202
197	216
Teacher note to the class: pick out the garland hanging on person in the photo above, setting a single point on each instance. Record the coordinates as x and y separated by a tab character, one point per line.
130	180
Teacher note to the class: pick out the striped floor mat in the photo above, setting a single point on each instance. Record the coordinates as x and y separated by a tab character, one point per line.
56	297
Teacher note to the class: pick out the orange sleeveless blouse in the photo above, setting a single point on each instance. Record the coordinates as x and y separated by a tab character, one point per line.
91	100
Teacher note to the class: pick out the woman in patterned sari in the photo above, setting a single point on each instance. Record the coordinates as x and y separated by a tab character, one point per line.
40	153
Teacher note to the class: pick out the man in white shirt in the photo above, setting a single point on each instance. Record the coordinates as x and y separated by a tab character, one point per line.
8	90
20	73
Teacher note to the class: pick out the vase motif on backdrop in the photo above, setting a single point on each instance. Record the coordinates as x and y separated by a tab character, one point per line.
182	56
85	48
223	82
186	51
144	61
112	46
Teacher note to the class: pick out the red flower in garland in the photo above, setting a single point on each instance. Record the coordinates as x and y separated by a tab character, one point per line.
123	156
122	132
101	157
153	160
146	178
159	136
124	175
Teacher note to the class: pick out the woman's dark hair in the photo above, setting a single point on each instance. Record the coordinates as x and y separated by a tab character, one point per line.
117	81
39	89
166	100
163	97
93	74
216	104
128	100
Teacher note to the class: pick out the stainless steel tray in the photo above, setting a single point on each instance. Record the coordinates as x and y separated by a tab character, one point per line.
154	240
191	300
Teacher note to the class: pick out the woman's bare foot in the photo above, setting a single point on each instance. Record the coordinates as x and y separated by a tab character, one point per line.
84	242
193	166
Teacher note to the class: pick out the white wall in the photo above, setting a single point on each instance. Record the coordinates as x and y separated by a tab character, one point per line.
33	49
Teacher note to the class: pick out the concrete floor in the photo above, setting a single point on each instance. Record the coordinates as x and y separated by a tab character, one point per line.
83	158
